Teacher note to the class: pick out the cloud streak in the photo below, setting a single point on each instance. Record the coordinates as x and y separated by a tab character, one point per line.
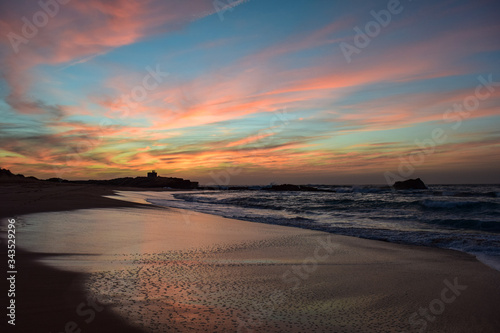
218	107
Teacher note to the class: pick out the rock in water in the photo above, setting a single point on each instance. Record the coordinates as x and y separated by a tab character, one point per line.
410	184
290	187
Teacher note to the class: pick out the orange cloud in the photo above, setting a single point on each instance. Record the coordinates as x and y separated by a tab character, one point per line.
249	139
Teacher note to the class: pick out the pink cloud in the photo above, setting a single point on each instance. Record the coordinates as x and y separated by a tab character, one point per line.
408	110
81	30
242	89
250	139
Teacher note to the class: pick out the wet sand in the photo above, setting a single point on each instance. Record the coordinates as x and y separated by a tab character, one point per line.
275	286
47	298
202	273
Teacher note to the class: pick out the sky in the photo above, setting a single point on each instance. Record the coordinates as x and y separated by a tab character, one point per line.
252	92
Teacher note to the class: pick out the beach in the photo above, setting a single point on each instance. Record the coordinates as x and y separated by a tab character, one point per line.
131	267
46	297
250	166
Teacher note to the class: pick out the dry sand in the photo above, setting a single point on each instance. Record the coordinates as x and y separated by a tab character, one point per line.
246	279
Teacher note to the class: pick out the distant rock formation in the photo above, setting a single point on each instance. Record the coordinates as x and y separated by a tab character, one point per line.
147	182
178	183
290	187
57	180
410	184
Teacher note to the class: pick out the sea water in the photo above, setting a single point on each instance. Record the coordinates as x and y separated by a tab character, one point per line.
460	217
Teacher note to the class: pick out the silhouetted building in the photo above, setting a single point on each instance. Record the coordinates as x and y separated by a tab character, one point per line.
152	174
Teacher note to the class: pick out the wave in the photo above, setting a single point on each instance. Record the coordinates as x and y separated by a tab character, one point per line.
419	218
301	203
489	194
471	224
442	204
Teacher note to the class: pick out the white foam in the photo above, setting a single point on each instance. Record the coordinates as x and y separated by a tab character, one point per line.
488	260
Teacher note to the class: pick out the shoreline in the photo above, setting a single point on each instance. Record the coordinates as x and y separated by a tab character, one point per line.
44	298
42	291
485	258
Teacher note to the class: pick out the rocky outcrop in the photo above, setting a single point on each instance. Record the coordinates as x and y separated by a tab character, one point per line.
57	180
290	187
410	184
146	182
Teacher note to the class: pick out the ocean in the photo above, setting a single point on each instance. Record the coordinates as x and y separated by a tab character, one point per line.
460	217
